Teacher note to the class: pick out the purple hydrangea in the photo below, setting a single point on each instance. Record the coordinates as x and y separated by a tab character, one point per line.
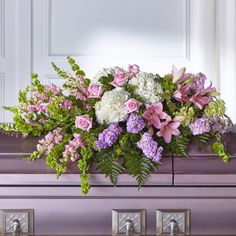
135	123
199	83
200	126
109	136
150	147
219	124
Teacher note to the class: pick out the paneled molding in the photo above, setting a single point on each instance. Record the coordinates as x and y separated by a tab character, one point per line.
48	79
2	28
25	49
2	96
226	46
48	37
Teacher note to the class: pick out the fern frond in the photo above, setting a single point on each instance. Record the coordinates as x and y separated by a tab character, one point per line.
110	166
180	146
202	139
139	167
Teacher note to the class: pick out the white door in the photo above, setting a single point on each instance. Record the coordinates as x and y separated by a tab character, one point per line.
101	33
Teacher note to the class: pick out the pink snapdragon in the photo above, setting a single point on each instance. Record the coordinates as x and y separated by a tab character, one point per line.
95	90
41	108
167	129
50	140
120	78
67	104
55	90
40	97
71	149
179	76
134	69
83	122
154	114
132	105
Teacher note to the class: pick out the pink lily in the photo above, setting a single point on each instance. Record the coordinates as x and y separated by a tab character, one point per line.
179	76
167	129
181	94
154	114
203	97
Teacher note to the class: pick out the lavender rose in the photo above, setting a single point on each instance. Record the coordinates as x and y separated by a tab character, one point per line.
95	90
132	105
134	69
83	122
120	78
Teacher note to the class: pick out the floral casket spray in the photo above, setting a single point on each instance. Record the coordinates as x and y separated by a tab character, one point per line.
122	119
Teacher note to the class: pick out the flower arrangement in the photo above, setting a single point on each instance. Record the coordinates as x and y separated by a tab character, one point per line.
122	120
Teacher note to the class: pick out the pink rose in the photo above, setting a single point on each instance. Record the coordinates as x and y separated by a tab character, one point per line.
120	78
132	105
95	90
83	122
134	69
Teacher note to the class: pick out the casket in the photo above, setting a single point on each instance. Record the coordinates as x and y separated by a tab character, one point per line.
202	183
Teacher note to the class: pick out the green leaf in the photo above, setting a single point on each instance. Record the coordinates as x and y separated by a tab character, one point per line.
180	146
34	156
202	139
109	165
84	165
75	67
60	72
139	166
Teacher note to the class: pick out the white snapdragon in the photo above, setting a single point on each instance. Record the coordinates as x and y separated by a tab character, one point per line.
111	107
147	87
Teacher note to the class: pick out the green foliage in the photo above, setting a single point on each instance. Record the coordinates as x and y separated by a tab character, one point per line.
131	89
219	149
53	157
168	86
124	154
63	74
109	164
188	115
22	98
202	139
138	166
105	81
216	107
58	113
8	127
36	84
179	145
34	156
83	165
75	67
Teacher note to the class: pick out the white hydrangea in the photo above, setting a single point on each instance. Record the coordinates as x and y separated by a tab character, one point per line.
111	107
105	72
147	88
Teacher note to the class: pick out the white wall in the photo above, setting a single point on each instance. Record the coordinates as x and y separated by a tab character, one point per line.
101	33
